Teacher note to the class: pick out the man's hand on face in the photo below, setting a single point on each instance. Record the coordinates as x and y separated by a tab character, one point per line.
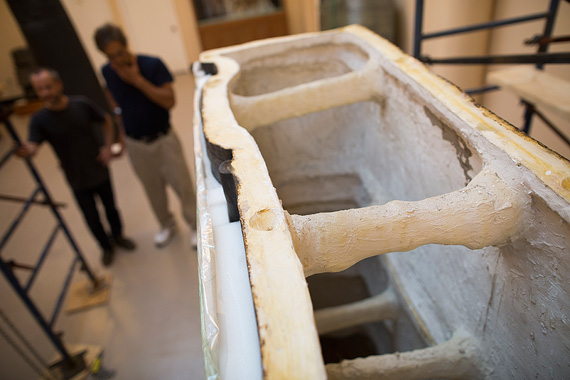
128	72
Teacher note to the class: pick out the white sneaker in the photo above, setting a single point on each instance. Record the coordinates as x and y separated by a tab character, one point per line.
163	237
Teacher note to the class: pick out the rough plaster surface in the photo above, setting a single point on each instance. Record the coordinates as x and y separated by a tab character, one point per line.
381	307
457	358
387	134
484	213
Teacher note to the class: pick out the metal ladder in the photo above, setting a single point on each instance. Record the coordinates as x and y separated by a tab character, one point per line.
70	364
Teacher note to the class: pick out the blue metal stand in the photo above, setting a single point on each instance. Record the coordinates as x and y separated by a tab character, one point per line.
540	58
70	364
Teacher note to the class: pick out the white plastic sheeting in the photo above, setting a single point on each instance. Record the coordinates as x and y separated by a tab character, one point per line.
230	340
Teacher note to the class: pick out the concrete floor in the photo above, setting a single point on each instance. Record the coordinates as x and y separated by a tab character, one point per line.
150	329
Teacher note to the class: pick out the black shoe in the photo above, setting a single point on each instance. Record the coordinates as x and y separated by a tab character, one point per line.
108	256
125	243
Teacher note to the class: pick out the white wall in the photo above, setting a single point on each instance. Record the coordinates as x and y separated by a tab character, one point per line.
158	27
439	15
152	28
86	16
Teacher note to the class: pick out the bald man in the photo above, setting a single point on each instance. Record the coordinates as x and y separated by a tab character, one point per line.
81	136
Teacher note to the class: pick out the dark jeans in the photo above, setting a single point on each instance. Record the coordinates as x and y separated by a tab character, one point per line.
86	201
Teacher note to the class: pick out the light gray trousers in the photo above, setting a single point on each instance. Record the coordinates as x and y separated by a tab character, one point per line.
162	163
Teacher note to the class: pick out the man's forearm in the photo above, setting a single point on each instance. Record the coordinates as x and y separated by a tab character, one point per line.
108	135
161	95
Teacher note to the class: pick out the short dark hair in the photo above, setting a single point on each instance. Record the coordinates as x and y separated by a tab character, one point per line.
108	33
54	74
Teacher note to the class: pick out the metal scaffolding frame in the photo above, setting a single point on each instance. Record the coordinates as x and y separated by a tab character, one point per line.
540	58
70	364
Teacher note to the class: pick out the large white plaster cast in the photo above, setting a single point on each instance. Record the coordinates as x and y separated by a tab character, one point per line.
344	120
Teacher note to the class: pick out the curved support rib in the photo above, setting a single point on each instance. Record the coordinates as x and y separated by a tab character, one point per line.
485	213
374	309
455	359
256	111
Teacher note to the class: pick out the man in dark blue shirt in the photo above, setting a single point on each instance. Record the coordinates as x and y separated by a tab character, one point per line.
141	89
80	134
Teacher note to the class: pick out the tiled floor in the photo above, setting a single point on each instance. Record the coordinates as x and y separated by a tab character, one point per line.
150	329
